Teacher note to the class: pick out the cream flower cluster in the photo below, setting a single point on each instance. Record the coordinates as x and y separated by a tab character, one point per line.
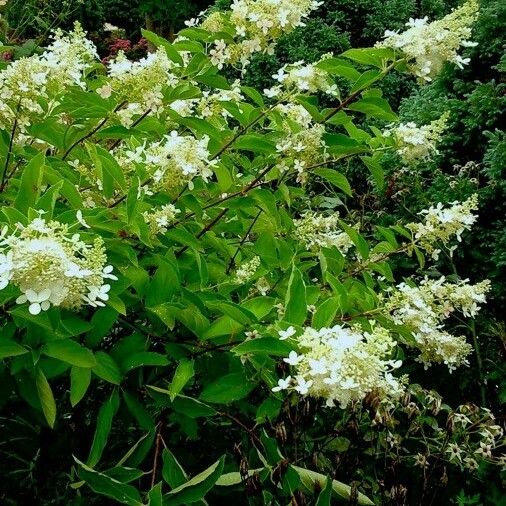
441	224
301	149
28	82
246	271
317	231
302	78
342	365
159	220
140	83
423	309
171	162
258	24
414	143
294	114
428	46
51	267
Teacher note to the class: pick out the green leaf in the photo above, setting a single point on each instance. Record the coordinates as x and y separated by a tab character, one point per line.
263	345
255	143
10	348
373	163
106	368
46	397
227	389
144	358
158	41
172	471
69	351
184	372
155	497
365	80
295	301
313	480
375	107
370	55
195	489
234	311
31	180
192	408
235	478
335	178
110	487
103	428
80	378
325	495
182	236
325	313
339	67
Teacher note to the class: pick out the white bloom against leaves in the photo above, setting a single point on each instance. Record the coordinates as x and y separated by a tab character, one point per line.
423	309
342	364
415	144
246	271
305	78
52	267
285	334
160	219
441	224
428	46
316	231
257	24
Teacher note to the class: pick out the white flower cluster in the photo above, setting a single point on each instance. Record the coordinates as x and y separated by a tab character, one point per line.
53	268
295	115
159	220
441	224
258	24
30	87
246	271
417	143
342	364
317	231
302	78
301	149
424	308
140	83
173	161
428	46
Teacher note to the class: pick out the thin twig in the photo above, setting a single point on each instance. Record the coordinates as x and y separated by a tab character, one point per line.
157	452
91	133
117	142
11	144
243	240
206	229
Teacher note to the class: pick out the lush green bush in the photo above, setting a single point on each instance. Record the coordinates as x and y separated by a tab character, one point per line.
193	288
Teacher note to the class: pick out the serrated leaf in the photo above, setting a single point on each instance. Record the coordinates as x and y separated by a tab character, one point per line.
110	487
10	348
103	428
106	368
172	471
227	389
184	372
263	346
46	397
80	378
295	300
70	351
312	480
196	488
336	179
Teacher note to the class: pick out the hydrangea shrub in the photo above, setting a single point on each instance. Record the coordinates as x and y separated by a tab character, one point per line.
193	248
